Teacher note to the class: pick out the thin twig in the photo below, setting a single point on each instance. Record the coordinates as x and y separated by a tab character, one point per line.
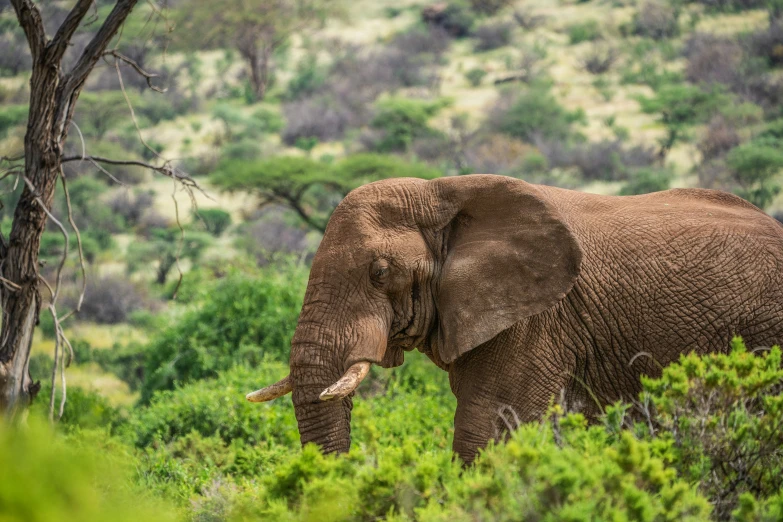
147	76
81	252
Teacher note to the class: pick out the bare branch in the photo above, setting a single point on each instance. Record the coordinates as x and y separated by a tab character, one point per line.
148	76
59	44
97	45
81	253
30	19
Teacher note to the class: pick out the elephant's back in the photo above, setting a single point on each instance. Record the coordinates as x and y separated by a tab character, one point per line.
667	273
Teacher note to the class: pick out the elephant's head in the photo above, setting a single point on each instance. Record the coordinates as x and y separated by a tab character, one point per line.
442	265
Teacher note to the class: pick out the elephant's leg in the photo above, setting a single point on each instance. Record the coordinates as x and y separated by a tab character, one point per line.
495	392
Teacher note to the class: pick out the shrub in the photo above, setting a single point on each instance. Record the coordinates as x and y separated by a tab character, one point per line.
737	398
308	77
657	21
587	31
400	121
12	116
475	76
754	167
713	59
109	299
493	35
273	236
496	154
214	220
600	59
360	169
647	180
455	17
719	138
94	480
244	319
680	106
533	113
131	206
768	44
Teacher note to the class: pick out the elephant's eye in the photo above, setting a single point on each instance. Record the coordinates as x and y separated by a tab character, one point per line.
379	270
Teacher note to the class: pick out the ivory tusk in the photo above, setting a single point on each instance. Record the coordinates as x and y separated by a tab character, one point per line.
273	391
348	382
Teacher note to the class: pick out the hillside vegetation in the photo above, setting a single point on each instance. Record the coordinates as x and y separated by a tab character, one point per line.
191	302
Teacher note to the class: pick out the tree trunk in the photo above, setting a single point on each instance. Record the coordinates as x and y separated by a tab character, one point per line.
53	96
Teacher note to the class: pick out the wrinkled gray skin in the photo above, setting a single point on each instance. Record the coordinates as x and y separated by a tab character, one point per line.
522	292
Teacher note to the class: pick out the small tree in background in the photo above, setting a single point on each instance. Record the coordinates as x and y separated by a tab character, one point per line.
755	167
257	29
680	106
165	248
310	188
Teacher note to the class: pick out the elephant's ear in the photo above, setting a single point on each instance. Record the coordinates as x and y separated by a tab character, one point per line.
506	255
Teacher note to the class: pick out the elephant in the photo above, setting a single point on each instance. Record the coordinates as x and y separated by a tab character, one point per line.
522	293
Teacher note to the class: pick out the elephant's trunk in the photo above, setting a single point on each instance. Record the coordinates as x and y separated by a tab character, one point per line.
326	423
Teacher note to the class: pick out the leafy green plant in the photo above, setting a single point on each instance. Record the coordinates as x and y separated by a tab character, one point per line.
475	76
214	220
755	167
680	106
647	180
12	116
243	319
94	478
534	112
719	422
587	31
401	120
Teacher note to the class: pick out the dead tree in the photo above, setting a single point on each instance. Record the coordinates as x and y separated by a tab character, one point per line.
53	96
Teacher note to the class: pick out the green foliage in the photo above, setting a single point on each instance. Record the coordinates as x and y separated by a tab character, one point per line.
587	31
755	167
475	76
311	188
726	411
680	106
402	120
84	408
244	319
308	77
10	117
46	478
647	180
214	220
535	112
360	169
164	246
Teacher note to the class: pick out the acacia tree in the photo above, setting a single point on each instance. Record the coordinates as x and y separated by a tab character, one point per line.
255	28
54	92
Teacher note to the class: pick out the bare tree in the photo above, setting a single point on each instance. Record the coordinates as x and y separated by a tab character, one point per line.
54	92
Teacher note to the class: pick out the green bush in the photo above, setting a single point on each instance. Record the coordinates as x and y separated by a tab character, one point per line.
214	220
82	478
475	76
360	169
718	420
401	120
535	113
755	167
244	319
644	181
680	106
587	31
12	116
